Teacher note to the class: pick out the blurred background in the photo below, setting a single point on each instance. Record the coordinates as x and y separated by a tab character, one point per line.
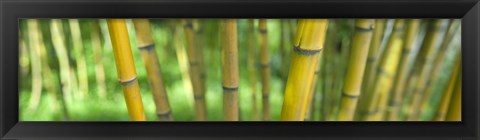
88	59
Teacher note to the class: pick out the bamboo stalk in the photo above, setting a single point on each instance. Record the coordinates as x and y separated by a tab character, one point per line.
455	75
307	46
230	76
356	67
195	70
264	69
385	72
251	56
399	82
149	55
455	108
80	58
34	43
97	52
422	67
311	98
66	78
331	43
127	74
373	54
452	28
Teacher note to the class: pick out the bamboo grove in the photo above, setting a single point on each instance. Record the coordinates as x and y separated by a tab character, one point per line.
240	70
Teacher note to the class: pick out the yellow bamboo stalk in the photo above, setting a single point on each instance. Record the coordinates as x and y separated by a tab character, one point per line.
97	52
356	66
230	78
80	59
455	108
447	93
373	53
34	43
195	70
252	72
396	96
385	72
149	55
311	97
307	46
452	28
127	74
422	67
264	69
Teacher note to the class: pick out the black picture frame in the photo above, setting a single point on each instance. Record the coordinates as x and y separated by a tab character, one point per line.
12	10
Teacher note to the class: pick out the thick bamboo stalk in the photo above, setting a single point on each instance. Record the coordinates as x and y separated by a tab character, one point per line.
80	58
455	108
453	26
34	43
230	75
422	67
195	70
126	71
149	55
66	78
449	90
307	46
356	66
252	71
385	72
264	69
396	96
311	98
97	52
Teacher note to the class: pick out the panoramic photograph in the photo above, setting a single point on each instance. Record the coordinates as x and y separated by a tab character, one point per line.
240	70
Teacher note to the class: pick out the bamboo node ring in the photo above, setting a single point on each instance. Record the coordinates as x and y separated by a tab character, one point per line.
301	51
147	47
129	82
230	88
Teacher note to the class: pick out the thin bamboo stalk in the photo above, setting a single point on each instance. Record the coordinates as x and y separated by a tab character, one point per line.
448	92
78	47
195	70
385	72
149	55
455	108
127	74
356	66
399	82
265	69
66	78
252	72
422	67
307	46
230	75
452	28
34	43
373	54
97	52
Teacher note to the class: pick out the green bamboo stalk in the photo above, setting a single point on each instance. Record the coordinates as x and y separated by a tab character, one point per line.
252	72
80	58
97	52
423	65
452	28
265	69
